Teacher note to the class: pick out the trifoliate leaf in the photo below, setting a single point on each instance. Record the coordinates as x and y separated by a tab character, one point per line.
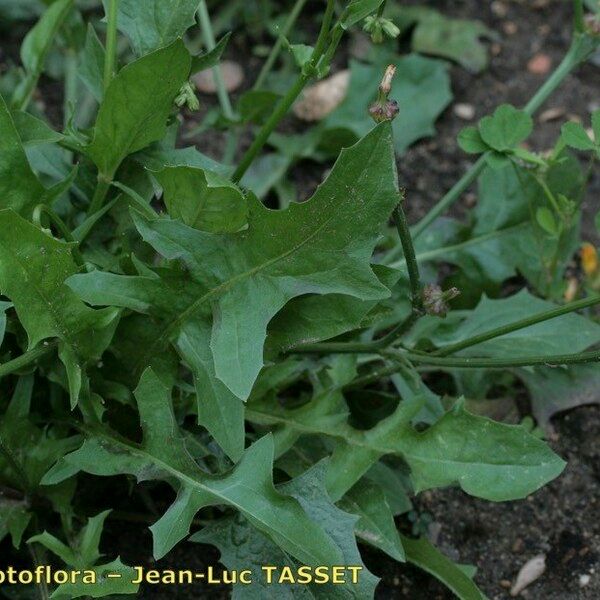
136	106
506	128
575	135
469	139
163	455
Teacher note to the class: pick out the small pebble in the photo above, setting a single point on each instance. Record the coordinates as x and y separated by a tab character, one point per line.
322	98
233	77
499	8
584	580
510	27
532	570
505	583
540	64
464	111
552	114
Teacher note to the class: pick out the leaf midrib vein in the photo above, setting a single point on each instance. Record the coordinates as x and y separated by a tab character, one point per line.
193	483
188	312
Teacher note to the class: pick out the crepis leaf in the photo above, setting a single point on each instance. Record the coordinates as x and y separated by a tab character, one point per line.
163	456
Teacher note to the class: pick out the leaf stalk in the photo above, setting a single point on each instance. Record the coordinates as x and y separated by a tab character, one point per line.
111	42
290	97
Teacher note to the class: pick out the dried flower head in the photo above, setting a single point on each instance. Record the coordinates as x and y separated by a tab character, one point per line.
435	300
385	109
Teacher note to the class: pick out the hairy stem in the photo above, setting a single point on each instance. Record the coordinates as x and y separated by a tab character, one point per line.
286	102
276	49
555	360
210	43
517	325
410	258
111	42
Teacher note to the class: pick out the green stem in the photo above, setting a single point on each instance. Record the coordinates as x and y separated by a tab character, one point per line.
61	226
286	102
451	197
54	218
469	363
578	19
99	195
517	325
70	85
410	258
572	59
276	49
42	587
111	42
381	9
25	359
556	360
210	43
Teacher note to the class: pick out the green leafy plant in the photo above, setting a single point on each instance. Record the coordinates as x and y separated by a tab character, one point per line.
265	378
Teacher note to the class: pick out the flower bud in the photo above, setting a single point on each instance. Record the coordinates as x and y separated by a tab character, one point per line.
187	97
380	28
389	28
